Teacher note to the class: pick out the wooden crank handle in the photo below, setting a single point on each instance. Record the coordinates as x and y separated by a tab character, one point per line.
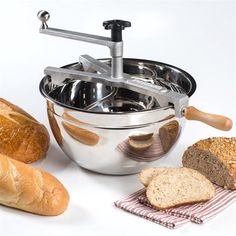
216	121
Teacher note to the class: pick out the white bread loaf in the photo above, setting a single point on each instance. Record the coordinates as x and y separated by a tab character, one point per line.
29	189
215	158
179	186
21	136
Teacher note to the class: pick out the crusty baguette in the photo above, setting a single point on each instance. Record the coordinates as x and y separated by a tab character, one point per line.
53	123
82	135
68	116
29	189
146	175
21	136
179	186
215	158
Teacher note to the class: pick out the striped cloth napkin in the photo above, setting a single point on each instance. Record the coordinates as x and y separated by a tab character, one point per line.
132	205
172	218
153	153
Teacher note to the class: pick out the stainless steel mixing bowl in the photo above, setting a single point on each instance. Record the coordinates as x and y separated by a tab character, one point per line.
105	129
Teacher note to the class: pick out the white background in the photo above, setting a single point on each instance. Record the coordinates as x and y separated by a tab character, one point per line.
197	36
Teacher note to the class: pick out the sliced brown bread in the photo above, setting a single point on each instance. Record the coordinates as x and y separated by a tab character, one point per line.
179	186
145	176
215	158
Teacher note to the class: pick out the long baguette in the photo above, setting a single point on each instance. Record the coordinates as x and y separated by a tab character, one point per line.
82	135
30	189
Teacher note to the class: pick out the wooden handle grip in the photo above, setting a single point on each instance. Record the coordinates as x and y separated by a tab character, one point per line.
216	121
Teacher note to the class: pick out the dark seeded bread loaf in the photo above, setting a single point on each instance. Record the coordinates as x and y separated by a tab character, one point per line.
215	158
179	186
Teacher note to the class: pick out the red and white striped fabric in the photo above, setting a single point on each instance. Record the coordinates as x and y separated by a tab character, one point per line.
132	204
198	213
153	153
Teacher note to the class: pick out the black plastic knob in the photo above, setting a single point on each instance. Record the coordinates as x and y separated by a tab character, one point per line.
116	27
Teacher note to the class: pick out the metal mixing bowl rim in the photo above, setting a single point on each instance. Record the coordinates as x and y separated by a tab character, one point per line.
50	99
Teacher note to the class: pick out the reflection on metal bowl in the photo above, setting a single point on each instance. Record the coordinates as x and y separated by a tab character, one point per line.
92	122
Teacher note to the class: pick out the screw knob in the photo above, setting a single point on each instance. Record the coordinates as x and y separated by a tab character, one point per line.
116	27
43	17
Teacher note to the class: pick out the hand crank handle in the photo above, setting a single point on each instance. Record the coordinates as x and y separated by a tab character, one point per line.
114	43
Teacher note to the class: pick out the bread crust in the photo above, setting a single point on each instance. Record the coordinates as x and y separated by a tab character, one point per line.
179	205
215	158
168	134
30	189
141	137
21	136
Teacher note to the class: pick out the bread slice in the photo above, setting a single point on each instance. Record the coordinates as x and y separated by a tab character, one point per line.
215	158
179	186
145	176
